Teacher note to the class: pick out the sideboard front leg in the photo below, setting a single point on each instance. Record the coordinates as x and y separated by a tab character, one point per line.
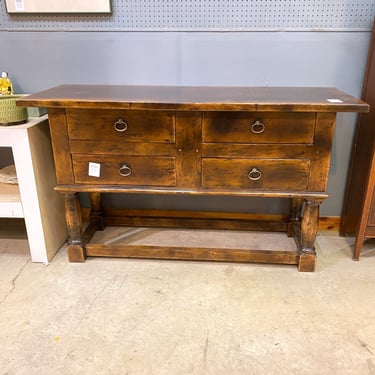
76	250
309	229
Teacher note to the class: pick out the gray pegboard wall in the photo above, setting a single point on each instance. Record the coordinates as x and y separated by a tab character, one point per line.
206	15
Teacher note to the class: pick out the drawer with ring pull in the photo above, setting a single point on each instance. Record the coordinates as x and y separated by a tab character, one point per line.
121	125
258	127
261	174
124	170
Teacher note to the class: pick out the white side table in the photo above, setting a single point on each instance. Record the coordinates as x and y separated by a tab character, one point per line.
34	199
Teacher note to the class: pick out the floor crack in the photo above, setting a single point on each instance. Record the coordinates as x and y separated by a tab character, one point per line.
14	281
364	345
204	360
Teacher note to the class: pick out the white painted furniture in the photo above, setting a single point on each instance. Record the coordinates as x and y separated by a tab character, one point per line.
34	199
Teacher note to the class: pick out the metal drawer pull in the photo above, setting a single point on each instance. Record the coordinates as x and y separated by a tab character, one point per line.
125	170
120	125
258	127
255	174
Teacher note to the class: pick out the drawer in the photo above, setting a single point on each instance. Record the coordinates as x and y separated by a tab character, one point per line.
124	170
121	125
258	127
260	174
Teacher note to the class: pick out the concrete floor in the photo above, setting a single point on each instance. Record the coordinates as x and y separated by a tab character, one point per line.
120	316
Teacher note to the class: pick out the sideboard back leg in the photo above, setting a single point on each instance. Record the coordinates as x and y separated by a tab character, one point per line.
96	213
295	215
76	250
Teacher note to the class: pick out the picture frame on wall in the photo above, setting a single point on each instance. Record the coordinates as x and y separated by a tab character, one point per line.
58	6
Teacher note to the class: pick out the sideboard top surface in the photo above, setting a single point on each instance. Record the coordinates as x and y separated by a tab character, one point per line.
297	99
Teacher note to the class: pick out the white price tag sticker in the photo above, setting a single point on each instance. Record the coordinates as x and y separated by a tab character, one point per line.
19	5
334	100
94	169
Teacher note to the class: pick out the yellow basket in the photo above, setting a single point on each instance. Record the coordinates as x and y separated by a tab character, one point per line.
10	114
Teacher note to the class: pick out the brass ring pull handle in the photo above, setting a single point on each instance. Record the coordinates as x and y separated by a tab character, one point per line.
258	127
125	170
120	125
255	174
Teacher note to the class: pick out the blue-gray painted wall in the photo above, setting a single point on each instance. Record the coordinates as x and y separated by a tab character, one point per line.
38	60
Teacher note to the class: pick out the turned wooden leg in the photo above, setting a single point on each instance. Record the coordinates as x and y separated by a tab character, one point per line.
96	213
76	251
295	215
309	229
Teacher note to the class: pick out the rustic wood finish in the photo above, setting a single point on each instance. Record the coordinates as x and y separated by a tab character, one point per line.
274	174
295	216
260	142
136	126
208	220
73	216
96	212
358	215
138	170
267	99
197	253
255	127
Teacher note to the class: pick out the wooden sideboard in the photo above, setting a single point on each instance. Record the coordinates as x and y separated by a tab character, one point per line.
218	141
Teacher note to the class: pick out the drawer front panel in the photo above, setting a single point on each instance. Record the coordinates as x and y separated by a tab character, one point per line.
121	125
257	174
124	170
258	127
